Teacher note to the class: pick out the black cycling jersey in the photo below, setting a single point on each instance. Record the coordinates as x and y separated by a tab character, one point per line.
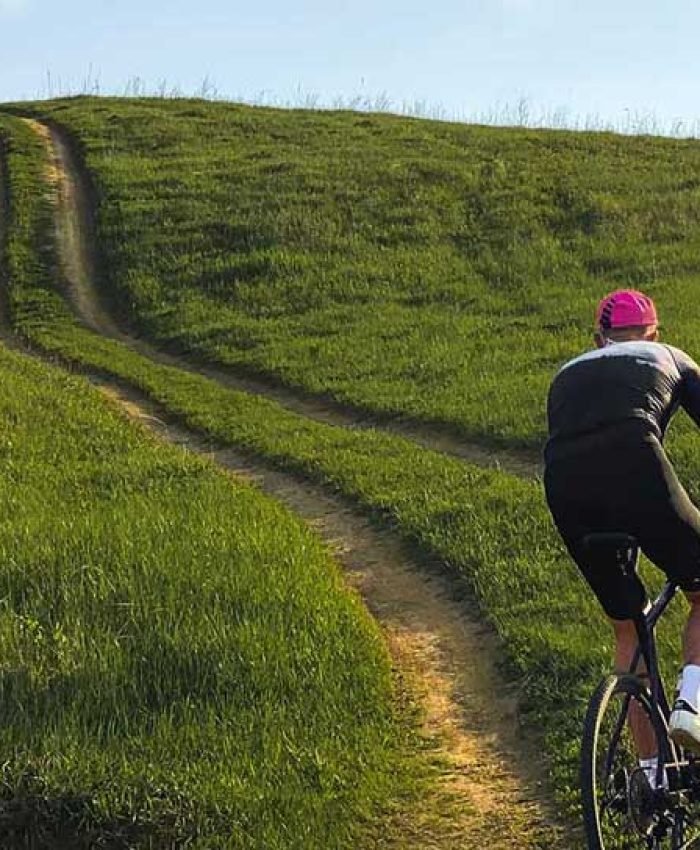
635	380
606	469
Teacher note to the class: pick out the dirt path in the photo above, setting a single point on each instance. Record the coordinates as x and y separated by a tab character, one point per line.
490	787
76	223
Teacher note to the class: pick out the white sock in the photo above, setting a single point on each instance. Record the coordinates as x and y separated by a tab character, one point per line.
690	685
650	766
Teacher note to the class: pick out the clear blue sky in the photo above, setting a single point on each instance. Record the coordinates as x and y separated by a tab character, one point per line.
588	56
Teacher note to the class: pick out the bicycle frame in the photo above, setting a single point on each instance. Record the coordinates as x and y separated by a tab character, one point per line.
677	782
627	553
645	624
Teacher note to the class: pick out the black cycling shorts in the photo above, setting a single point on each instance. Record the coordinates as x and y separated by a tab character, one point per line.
620	480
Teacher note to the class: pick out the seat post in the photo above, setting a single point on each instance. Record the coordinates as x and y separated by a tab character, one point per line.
647	651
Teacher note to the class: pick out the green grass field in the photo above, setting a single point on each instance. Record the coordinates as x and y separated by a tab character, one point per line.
180	662
405	267
177	651
488	527
402	266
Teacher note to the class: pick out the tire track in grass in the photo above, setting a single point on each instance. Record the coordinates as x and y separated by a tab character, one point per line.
469	714
488	787
77	218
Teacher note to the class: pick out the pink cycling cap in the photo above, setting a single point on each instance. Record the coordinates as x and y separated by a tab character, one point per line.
623	308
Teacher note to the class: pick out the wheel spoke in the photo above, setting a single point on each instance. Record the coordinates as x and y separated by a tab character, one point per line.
692	841
621	810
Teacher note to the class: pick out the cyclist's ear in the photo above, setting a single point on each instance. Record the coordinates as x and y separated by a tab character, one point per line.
599	339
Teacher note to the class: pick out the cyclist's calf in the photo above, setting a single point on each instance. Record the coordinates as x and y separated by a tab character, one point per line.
626	642
691	636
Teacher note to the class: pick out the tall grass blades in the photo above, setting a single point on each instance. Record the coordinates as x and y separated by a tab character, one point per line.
489	527
180	662
415	268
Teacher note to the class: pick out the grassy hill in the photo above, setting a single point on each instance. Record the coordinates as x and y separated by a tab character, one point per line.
385	309
180	659
402	266
181	662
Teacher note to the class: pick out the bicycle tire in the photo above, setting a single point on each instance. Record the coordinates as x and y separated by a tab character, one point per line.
607	817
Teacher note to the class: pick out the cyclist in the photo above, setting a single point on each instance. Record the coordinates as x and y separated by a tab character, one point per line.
606	470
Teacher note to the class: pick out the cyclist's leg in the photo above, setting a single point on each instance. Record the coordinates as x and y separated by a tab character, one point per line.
689	686
669	535
689	689
622	595
691	636
626	641
684	723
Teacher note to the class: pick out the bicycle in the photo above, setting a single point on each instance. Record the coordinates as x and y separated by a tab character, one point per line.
622	808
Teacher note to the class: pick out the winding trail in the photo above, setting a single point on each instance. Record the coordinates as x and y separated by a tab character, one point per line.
81	271
491	789
490	783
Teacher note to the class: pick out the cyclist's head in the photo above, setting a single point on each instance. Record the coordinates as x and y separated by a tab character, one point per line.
624	315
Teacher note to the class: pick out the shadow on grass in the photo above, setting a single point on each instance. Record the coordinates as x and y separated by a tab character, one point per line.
36	815
35	822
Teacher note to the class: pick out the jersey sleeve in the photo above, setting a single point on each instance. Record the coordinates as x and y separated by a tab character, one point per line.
690	384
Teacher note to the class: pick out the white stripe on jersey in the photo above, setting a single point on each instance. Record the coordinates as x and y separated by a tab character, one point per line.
653	354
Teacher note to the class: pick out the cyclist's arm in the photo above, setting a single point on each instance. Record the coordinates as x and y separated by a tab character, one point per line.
690	387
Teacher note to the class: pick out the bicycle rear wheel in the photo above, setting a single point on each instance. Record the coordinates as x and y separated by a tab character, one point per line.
620	809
